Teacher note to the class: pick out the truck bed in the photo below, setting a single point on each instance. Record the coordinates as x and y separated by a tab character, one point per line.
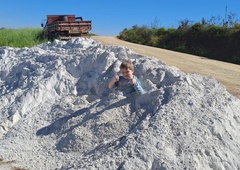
58	26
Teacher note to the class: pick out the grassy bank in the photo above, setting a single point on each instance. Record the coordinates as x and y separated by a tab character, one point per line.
26	37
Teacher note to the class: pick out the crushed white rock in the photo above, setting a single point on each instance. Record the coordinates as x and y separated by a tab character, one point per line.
56	112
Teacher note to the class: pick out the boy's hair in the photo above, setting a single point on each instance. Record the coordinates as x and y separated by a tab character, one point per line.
127	64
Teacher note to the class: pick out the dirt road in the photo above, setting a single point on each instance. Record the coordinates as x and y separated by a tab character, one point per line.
228	74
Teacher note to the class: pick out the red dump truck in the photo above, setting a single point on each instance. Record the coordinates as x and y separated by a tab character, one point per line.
65	27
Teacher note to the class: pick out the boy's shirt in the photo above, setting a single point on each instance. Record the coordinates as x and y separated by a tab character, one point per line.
126	87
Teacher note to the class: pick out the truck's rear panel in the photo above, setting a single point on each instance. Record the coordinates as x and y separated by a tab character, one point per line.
84	26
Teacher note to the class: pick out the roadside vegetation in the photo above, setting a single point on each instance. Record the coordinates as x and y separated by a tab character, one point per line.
215	38
26	37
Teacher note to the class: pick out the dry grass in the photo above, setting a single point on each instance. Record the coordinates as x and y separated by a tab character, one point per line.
2	163
15	168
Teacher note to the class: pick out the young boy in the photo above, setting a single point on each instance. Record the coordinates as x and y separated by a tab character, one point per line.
127	83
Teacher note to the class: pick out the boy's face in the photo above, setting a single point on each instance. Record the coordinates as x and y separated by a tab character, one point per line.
127	73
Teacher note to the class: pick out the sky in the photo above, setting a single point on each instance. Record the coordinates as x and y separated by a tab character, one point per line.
110	17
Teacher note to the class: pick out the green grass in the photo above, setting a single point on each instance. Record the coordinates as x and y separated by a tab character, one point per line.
26	37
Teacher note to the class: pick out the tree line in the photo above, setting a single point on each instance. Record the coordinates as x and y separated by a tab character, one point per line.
215	38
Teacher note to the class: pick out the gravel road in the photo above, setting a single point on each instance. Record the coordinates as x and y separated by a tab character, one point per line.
228	74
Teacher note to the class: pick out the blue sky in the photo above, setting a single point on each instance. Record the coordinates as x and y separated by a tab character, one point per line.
110	17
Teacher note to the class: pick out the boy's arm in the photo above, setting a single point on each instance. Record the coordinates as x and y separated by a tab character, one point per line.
113	81
137	86
111	84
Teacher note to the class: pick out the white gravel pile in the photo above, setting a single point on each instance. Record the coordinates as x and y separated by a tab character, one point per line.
57	113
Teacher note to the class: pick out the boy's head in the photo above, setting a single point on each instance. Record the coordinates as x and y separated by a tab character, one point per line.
127	64
127	69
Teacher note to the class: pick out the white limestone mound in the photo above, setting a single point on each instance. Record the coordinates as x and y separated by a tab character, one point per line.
57	112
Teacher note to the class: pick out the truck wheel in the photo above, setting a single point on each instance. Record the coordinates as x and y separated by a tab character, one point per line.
57	36
50	37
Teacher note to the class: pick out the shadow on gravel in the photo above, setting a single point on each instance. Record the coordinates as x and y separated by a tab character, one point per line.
56	126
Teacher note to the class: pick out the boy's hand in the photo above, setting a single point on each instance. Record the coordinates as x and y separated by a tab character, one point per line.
116	77
131	79
113	81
